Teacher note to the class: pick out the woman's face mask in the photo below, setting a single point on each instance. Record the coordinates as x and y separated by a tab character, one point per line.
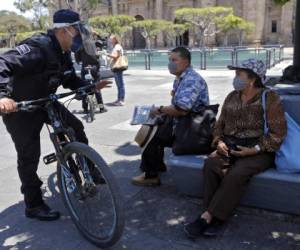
238	83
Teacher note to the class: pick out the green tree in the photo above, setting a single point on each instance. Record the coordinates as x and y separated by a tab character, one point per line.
150	28
175	30
203	20
23	35
236	24
39	9
107	25
85	8
281	2
11	24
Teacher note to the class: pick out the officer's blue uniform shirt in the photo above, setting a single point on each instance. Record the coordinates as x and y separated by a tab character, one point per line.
190	91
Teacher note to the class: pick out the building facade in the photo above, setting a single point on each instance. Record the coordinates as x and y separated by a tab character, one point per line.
273	23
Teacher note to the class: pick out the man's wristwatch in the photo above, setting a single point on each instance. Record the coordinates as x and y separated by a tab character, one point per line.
257	148
160	109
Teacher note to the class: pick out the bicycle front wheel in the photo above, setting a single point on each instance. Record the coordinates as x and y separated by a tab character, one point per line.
96	207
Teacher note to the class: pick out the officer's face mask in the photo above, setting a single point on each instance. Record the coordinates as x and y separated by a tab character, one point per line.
238	83
76	41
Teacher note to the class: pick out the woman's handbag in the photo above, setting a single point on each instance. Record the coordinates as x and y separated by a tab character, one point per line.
287	157
120	64
193	132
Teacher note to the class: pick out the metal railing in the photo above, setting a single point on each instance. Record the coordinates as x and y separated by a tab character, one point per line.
207	58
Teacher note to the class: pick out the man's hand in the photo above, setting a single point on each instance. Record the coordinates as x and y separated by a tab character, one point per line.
154	112
222	149
103	84
7	105
244	151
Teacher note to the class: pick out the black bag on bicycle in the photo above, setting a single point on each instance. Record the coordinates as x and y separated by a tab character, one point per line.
193	132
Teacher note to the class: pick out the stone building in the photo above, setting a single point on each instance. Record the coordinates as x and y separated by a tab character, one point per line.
273	23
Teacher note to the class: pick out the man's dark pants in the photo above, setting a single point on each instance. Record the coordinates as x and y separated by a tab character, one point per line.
153	155
25	128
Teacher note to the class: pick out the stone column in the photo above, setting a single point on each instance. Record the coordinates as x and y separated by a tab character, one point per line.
114	5
287	15
254	11
159	15
260	20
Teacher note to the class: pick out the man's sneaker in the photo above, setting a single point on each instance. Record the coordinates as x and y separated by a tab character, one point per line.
43	213
215	228
141	180
195	229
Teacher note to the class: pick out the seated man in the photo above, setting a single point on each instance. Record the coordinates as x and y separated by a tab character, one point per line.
189	93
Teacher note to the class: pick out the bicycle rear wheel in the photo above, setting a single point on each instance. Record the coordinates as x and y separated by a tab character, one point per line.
96	209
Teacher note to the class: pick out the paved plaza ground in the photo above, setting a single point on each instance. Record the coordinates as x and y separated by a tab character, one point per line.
154	216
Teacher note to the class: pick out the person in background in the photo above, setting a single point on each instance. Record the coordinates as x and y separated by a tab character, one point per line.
116	53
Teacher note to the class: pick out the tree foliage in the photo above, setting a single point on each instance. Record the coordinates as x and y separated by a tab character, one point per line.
10	22
107	25
174	30
281	2
39	10
150	28
85	8
234	24
203	20
23	35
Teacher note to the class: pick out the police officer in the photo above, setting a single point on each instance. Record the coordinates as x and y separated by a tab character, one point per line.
35	69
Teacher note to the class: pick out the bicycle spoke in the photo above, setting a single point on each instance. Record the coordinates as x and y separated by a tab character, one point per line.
92	204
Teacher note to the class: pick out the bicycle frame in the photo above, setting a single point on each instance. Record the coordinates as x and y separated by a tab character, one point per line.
60	135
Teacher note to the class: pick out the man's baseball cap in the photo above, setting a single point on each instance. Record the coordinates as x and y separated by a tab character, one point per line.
65	18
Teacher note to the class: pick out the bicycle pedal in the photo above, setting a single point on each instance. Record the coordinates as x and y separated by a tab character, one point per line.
49	158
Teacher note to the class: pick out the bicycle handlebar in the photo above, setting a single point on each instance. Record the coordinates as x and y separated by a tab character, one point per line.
53	97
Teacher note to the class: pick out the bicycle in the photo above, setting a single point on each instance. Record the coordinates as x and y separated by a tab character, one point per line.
91	99
100	221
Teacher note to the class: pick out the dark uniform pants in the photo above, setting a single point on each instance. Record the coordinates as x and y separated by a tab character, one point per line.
25	128
222	193
153	155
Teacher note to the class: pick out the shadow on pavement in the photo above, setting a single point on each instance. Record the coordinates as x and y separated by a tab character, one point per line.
128	149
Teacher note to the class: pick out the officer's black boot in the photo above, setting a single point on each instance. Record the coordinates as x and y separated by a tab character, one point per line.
43	213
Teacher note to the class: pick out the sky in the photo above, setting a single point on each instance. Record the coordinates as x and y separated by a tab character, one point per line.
9	5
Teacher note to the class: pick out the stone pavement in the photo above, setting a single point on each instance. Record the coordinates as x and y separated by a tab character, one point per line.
154	216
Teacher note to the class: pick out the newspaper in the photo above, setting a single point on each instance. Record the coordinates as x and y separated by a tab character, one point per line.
141	115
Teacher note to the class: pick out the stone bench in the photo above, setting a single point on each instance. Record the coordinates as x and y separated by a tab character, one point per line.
268	190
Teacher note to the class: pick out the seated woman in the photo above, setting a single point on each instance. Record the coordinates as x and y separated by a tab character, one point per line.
242	148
